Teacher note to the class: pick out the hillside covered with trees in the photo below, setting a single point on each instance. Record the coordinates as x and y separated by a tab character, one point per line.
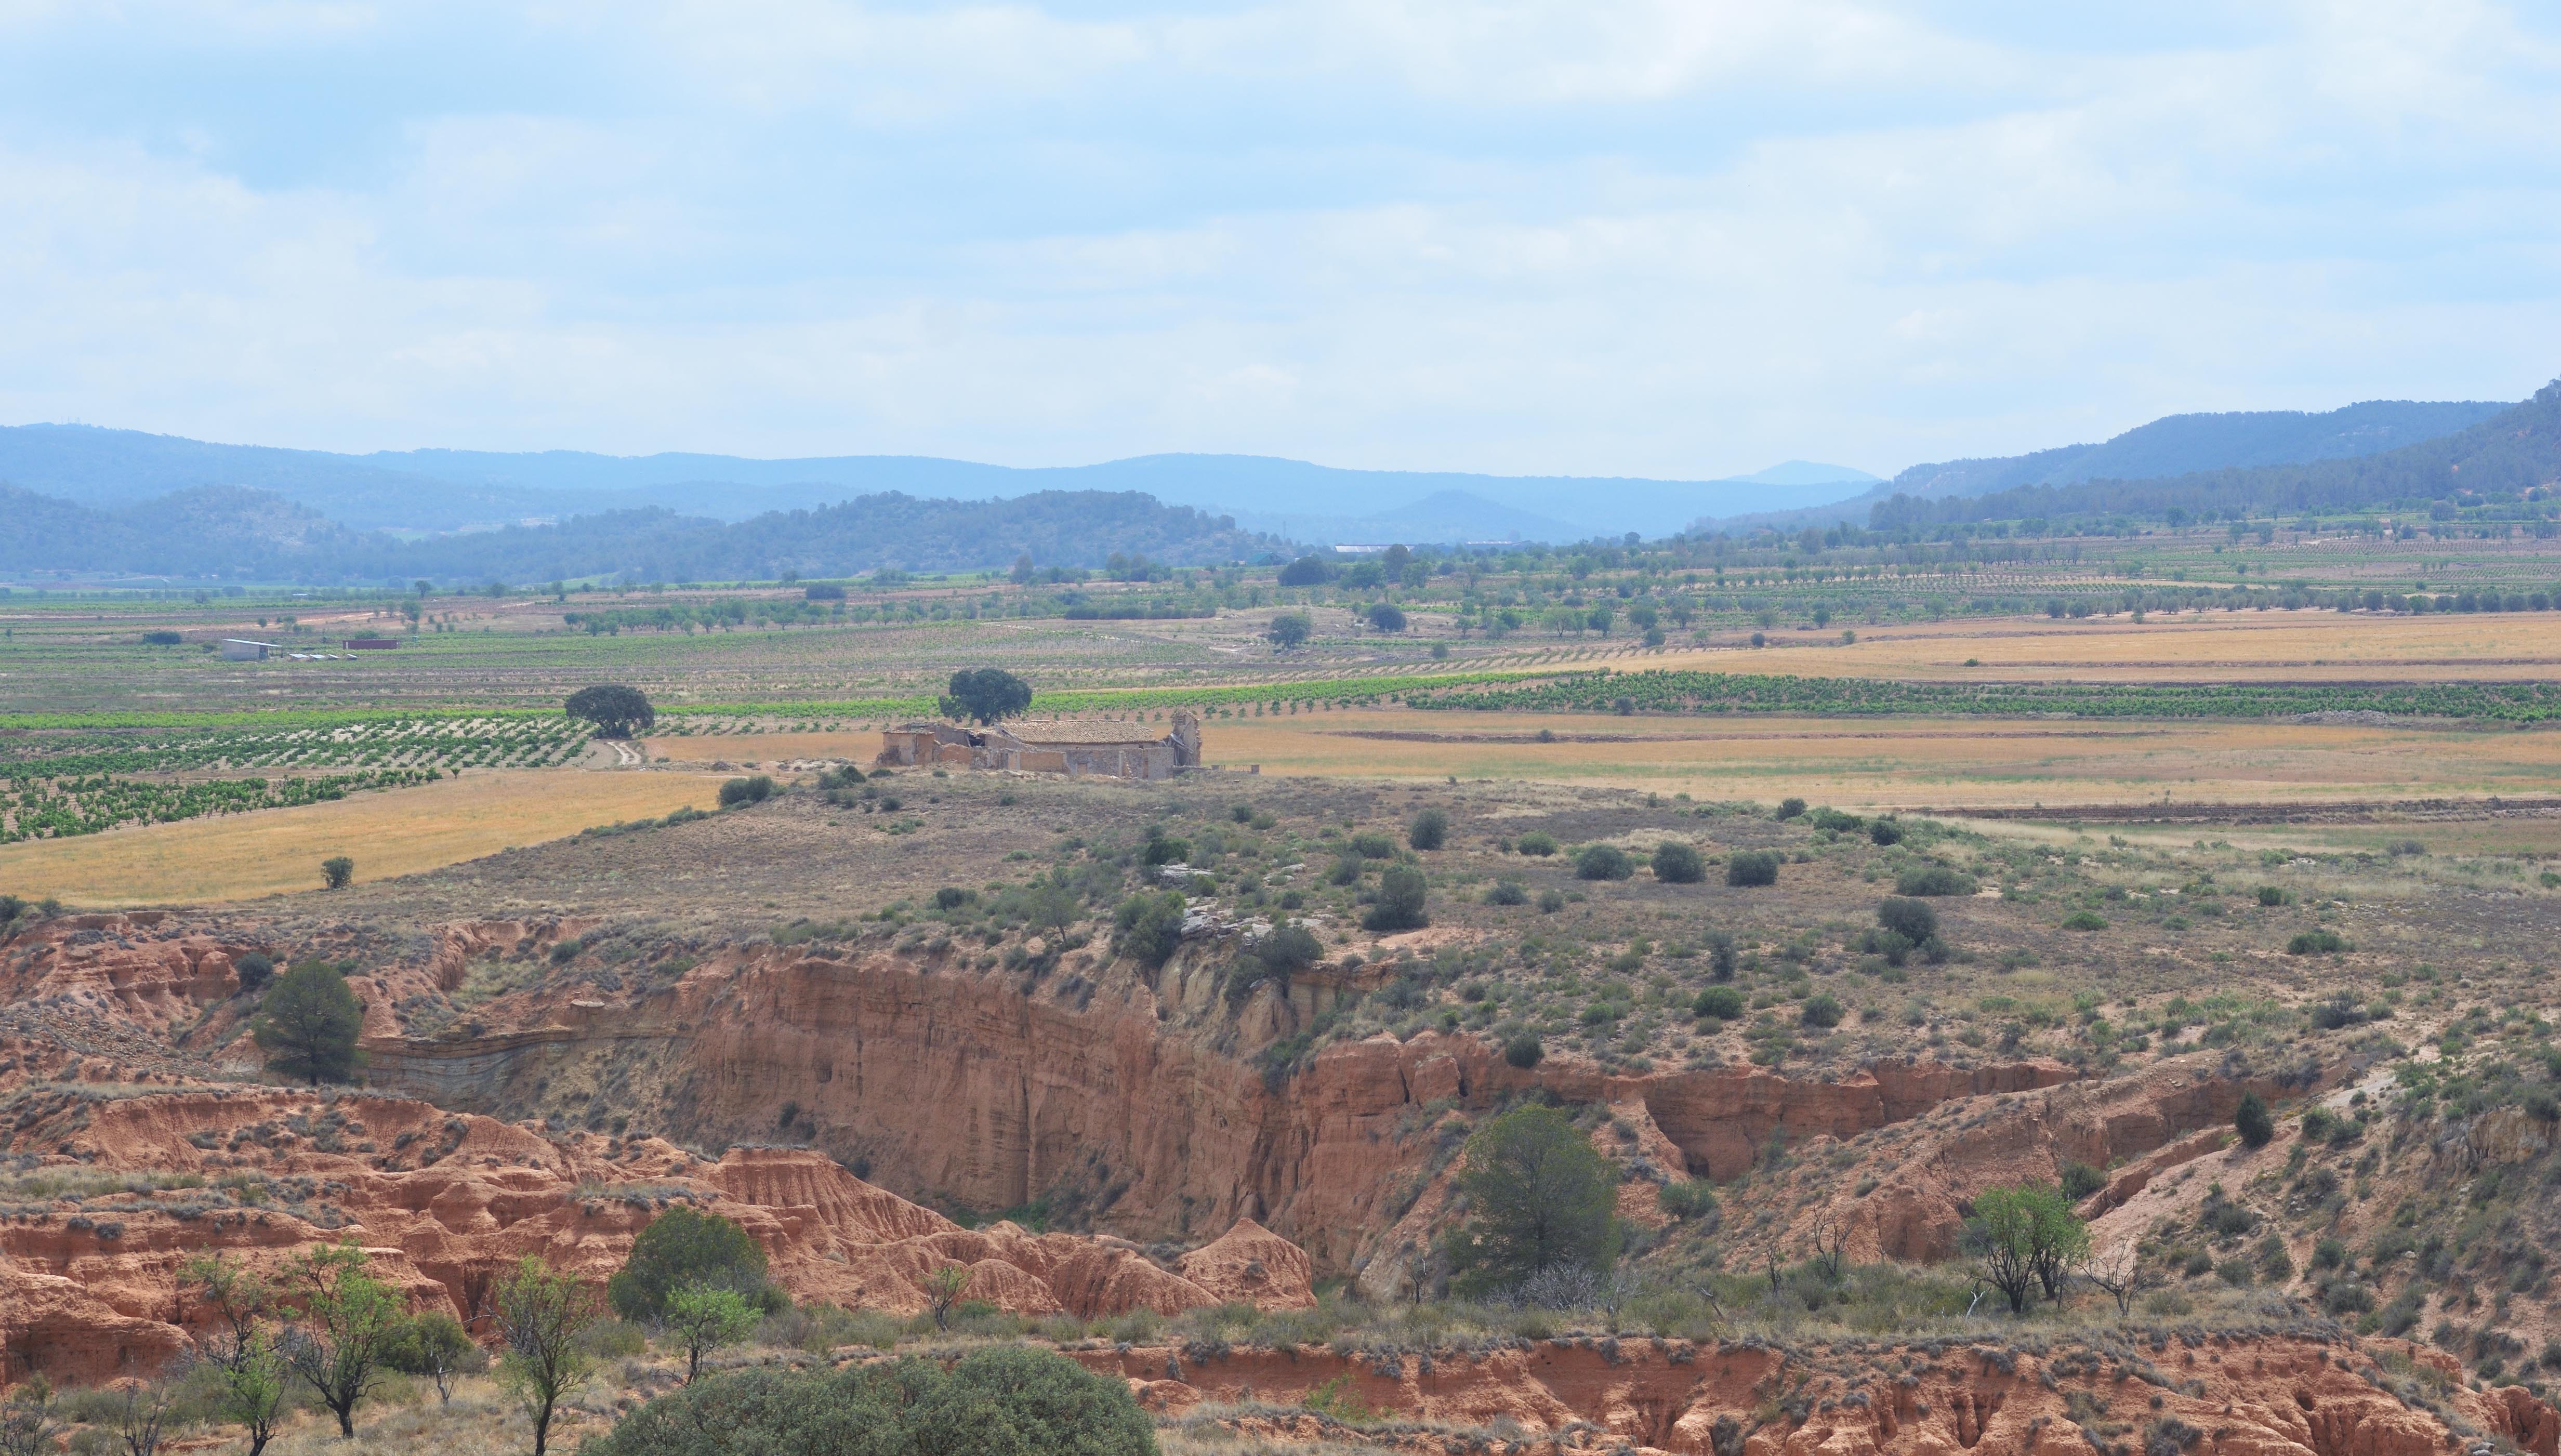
231	530
2491	463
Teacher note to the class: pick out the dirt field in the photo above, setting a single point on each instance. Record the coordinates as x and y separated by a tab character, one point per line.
400	832
2270	646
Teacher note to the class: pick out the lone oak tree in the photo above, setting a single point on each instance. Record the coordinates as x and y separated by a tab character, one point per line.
985	694
613	709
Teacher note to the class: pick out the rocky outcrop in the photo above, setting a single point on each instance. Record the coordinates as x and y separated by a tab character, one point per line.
1099	1085
442	1202
1897	1193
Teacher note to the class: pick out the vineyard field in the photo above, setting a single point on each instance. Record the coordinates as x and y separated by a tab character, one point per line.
1659	691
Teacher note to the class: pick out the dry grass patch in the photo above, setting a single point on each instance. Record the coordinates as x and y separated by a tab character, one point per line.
1904	762
2303	646
396	832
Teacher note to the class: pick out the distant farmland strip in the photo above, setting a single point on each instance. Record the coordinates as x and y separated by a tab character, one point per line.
1696	691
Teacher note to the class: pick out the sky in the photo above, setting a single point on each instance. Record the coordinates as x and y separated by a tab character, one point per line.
1588	237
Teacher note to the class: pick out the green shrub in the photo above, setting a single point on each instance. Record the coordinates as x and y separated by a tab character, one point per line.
1679	864
2080	1180
1721	1002
1912	919
1550	902
1524	1051
1536	842
2270	895
2321	941
1507	892
1751	867
1933	880
1603	862
2252	1121
753	790
1834	819
682	1246
2085	920
1789	809
1401	893
1150	925
1885	832
1690	1200
1347	869
1009	1401
1371	844
1430	830
1822	1009
253	969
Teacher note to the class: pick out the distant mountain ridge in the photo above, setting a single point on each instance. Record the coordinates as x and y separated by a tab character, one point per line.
2168	447
2182	445
232	531
2513	451
434	490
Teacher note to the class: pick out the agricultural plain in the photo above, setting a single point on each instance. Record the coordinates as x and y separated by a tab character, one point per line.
391	833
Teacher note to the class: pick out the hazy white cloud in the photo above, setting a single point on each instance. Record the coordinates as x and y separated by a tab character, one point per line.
1635	237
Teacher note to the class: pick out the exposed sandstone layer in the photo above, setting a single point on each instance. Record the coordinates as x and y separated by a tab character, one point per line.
2270	1395
90	1288
1122	1091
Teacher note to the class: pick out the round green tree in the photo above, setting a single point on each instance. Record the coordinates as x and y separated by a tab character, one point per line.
985	695
682	1248
1539	1197
308	1024
1401	893
616	711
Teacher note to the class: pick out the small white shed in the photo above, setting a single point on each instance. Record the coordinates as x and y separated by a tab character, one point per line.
242	649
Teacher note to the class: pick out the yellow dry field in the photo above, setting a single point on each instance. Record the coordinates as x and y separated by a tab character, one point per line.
2245	646
397	832
1906	764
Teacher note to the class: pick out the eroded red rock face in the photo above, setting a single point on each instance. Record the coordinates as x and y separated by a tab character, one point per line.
1125	1087
444	1202
2257	1395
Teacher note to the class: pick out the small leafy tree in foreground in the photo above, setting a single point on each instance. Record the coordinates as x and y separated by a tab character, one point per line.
702	1319
345	1321
2023	1238
539	1313
436	1345
943	1289
248	1370
337	872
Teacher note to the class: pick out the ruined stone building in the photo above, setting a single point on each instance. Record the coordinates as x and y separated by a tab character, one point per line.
1070	745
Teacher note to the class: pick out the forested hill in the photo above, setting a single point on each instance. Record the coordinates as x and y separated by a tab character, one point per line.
2184	445
1055	527
2503	455
229	531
